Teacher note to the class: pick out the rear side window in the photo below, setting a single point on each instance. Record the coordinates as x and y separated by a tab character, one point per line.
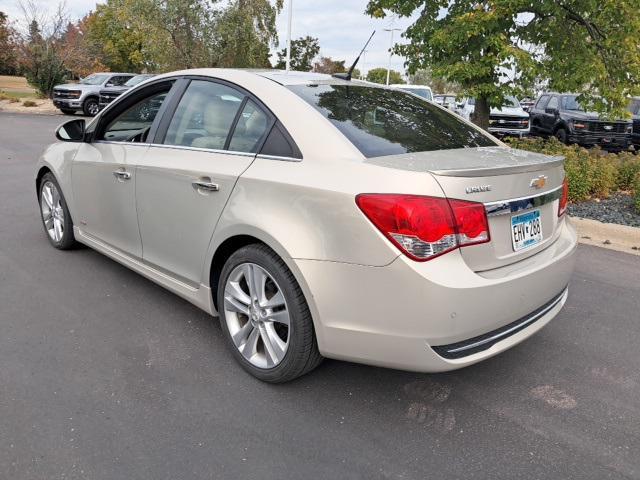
382	121
251	127
204	116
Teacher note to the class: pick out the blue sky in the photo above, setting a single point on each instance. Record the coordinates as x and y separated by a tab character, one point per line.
341	26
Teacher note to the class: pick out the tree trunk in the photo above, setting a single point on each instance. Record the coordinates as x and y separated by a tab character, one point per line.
481	113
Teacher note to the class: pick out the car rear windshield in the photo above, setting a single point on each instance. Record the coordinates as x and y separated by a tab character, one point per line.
382	121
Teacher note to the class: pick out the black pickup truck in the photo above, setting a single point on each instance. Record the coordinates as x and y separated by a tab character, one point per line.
634	108
561	115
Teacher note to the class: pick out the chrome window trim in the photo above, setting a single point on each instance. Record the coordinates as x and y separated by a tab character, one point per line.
207	150
279	158
114	142
513	205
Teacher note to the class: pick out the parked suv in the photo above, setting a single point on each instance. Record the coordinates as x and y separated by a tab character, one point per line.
634	108
107	95
84	95
562	115
509	119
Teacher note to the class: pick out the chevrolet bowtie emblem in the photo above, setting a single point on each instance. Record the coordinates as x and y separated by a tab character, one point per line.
538	182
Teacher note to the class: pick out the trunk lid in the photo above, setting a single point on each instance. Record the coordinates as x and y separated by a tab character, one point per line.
509	182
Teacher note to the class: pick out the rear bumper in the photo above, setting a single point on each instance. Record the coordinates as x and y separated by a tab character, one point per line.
400	315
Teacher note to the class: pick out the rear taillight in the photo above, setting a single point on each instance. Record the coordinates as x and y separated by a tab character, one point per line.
564	198
425	227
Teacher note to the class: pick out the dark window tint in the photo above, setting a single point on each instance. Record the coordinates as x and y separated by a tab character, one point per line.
280	144
134	123
204	116
553	103
381	121
542	102
119	80
250	129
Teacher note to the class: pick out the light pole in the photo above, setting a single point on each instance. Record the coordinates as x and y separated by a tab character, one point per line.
289	36
391	29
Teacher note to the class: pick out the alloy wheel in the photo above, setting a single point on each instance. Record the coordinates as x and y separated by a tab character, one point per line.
52	211
257	316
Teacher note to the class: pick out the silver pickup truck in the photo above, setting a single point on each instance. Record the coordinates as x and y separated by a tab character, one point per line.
84	96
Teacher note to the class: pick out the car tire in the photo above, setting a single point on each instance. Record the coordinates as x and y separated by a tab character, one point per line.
91	107
54	213
246	319
561	135
67	111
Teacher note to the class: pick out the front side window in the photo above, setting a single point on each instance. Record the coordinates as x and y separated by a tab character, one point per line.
118	80
381	121
134	123
542	102
204	116
553	103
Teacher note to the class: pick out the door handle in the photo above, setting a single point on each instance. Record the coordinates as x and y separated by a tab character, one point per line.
122	174
205	185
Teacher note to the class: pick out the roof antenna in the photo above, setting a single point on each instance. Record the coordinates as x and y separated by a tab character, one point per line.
347	76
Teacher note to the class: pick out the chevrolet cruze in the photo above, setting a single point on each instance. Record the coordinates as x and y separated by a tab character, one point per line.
317	217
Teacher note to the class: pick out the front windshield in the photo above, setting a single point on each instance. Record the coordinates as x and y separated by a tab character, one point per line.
634	107
511	102
136	80
94	79
421	92
571	103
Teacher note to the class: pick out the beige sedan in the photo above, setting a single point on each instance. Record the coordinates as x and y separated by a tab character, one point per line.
317	217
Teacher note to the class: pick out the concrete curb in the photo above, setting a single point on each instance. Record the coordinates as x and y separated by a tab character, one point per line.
621	238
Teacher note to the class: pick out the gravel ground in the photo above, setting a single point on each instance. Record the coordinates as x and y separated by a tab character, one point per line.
618	208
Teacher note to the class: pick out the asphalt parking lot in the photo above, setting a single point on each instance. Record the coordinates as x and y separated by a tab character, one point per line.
104	375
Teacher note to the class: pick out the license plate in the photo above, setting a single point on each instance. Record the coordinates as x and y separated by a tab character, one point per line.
526	230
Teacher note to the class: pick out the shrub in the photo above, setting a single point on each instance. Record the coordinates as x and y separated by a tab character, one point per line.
628	169
636	191
29	103
591	173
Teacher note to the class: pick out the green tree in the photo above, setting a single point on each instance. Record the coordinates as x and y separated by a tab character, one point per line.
423	76
8	47
245	32
329	66
40	61
115	29
303	51
379	75
588	46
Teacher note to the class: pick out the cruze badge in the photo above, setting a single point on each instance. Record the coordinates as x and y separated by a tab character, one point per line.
478	189
538	182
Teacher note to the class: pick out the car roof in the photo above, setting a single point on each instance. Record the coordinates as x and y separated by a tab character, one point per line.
280	77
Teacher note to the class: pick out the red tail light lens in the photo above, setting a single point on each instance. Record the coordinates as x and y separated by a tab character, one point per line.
564	199
425	227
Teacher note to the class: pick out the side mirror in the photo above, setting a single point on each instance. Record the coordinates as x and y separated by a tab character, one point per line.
71	131
108	84
551	111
